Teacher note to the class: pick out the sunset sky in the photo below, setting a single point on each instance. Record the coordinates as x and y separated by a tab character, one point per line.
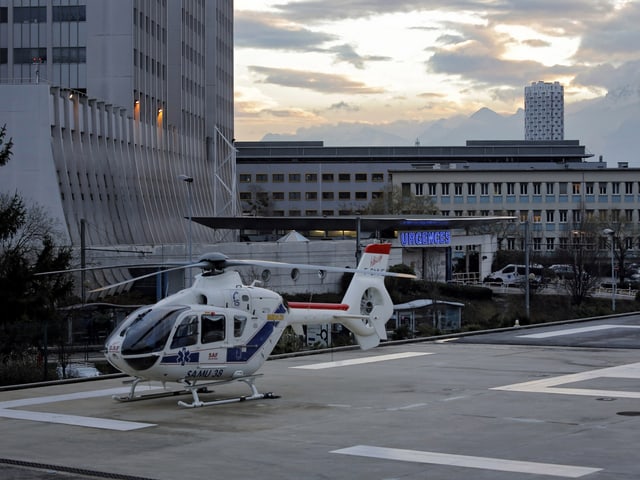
323	62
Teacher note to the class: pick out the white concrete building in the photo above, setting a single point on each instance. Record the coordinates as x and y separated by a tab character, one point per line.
544	111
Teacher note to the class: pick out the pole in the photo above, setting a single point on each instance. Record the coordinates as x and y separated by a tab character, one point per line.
613	278
527	303
189	181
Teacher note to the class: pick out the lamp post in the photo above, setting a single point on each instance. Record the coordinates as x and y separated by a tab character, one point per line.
609	232
189	181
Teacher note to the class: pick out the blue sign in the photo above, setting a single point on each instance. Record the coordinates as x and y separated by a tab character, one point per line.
438	238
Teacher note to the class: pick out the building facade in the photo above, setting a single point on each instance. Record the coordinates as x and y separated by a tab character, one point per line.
544	111
131	94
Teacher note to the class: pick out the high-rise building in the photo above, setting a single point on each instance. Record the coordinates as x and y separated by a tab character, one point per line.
111	106
544	111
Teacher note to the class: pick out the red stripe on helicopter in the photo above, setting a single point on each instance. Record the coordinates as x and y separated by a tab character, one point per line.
319	306
383	248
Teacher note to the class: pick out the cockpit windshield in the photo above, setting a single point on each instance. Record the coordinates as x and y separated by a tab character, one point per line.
150	331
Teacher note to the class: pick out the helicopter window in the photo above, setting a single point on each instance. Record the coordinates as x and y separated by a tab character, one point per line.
213	328
239	322
150	332
186	333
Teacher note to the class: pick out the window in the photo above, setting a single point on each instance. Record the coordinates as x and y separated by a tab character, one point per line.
245	196
294	213
3	15
563	188
361	177
310	213
550	243
457	213
377	177
261	178
311	177
29	14
511	188
628	188
277	177
537	188
239	322
294	177
497	188
311	195
419	189
537	216
327	213
3	56
294	196
537	243
549	188
433	188
444	187
471	188
563	216
344	177
344	195
564	241
213	328
602	188
577	216
186	333
361	195
327	177
588	188
575	188
524	188
615	188
376	195
615	215
550	216
29	55
245	178
628	215
327	195
524	215
484	189
457	189
278	195
75	13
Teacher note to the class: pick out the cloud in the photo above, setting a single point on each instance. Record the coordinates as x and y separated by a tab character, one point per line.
316	81
346	53
344	106
253	30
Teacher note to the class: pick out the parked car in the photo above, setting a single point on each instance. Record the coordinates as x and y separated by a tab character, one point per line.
77	370
562	270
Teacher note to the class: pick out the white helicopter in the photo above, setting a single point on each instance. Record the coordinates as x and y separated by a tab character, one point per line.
219	331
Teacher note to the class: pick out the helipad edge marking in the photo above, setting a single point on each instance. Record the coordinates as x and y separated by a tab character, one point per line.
360	361
572	331
485	463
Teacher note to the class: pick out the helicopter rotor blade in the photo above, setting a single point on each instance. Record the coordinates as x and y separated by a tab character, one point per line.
152	274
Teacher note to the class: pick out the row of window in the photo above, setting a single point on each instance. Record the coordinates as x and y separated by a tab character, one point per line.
523	188
563	243
39	55
310	177
553	216
67	13
313	195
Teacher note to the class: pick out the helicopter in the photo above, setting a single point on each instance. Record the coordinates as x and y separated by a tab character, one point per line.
219	331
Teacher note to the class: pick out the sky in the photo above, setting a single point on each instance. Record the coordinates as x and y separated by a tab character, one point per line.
307	63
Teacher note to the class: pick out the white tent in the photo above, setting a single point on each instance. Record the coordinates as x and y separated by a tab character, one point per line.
293	236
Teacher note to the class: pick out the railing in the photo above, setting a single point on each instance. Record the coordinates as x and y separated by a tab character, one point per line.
466	278
626	292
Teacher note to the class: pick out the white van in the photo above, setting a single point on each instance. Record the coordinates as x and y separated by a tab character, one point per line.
514	274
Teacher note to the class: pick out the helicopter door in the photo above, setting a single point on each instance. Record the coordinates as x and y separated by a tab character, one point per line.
213	328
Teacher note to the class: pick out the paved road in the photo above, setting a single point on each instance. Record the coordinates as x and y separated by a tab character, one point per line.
494	406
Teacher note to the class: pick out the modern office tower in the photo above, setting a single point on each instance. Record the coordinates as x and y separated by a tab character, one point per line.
121	113
544	111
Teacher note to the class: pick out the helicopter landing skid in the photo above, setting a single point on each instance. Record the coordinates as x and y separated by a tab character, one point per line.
133	397
249	381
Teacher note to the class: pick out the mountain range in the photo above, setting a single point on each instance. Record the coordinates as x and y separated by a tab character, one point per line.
606	126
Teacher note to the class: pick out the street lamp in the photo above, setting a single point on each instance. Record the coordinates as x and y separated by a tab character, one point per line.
609	232
189	181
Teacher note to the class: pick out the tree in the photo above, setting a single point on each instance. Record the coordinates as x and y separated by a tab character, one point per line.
5	147
392	200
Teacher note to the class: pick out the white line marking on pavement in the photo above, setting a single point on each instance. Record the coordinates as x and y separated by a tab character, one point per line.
6	411
360	361
485	463
550	385
572	331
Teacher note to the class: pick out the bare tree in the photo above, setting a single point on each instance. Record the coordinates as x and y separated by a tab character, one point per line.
392	200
